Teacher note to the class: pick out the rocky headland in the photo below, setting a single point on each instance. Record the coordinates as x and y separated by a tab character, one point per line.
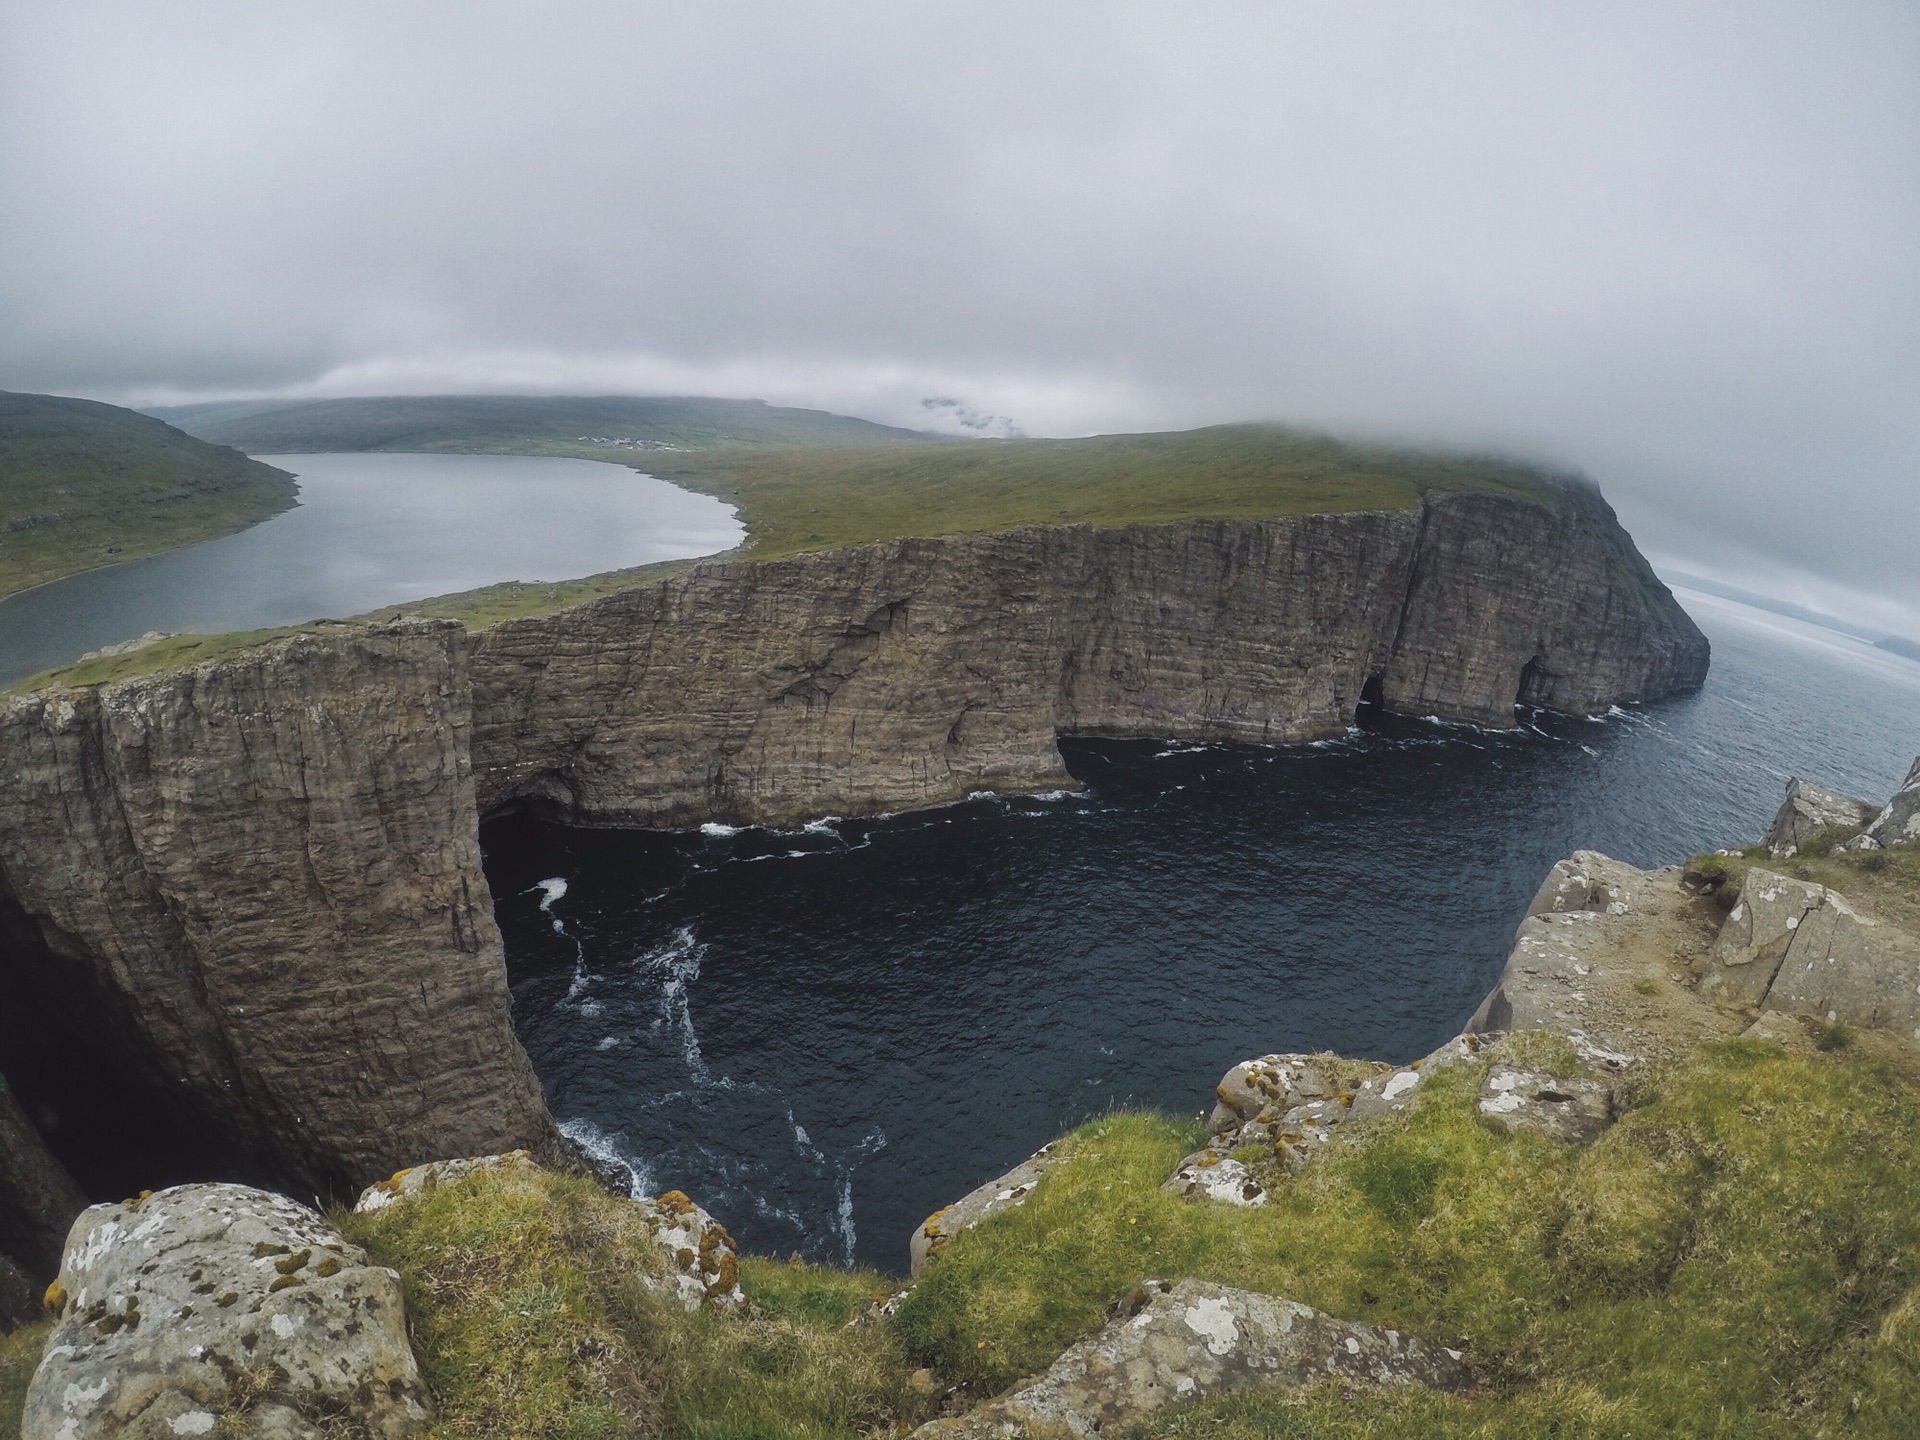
242	905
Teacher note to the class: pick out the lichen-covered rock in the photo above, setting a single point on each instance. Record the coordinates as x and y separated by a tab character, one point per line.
1812	812
706	1261
1900	821
418	1179
969	1210
1843	966
1573	1110
1214	1176
1173	1344
1756	935
220	1309
1294	1105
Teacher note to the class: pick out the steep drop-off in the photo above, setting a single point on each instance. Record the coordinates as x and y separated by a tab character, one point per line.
258	883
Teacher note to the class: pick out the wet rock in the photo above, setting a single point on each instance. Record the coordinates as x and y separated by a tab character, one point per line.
1756	935
1568	1109
1900	821
1812	812
969	1210
706	1261
220	1309
1174	1344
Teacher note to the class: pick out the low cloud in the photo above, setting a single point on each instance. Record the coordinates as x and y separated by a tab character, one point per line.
1675	246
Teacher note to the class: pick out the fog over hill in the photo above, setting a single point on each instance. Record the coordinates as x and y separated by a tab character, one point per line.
1676	247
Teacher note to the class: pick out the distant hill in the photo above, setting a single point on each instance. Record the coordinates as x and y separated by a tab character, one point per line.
84	484
556	424
1899	646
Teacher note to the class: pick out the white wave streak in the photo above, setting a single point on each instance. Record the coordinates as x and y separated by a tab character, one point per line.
550	891
677	965
606	1149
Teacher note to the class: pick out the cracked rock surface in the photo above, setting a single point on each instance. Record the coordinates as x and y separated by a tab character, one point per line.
1812	812
221	1309
1177	1343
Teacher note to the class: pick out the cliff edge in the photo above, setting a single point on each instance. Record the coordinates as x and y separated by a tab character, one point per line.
254	886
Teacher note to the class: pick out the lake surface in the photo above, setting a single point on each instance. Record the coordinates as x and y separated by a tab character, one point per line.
371	531
825	1035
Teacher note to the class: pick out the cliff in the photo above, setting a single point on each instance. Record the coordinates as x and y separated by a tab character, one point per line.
254	886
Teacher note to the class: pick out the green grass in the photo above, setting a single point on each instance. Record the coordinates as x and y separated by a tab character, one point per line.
84	485
19	1357
1739	1255
532	1317
794	500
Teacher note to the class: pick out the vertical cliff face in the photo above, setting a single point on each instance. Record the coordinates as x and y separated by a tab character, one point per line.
258	883
914	672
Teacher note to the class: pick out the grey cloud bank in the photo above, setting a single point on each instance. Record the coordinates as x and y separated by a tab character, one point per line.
1675	245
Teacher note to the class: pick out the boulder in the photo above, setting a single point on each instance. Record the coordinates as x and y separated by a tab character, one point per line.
221	1309
419	1179
1755	936
969	1210
1172	1344
1812	812
1845	967
1296	1104
1900	821
1569	1110
705	1261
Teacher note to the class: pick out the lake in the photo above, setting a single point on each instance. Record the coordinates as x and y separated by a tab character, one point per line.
826	1034
373	530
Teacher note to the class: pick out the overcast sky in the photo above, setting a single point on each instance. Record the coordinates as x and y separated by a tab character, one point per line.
1674	245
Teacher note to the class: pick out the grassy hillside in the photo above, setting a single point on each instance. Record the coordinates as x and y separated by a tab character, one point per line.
551	425
84	484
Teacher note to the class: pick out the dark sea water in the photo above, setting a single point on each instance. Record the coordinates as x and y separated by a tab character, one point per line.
372	530
825	1035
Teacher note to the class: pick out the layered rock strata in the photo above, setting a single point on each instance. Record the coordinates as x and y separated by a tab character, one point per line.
258	880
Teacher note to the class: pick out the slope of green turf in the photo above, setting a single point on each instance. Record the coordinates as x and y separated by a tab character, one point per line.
84	484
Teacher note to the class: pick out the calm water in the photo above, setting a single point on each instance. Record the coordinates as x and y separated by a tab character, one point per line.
826	1035
373	530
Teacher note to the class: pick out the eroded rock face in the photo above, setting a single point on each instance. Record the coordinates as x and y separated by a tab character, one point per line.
1811	812
259	878
1757	933
1178	1343
1571	1110
38	1199
1900	821
219	1309
259	881
1003	1193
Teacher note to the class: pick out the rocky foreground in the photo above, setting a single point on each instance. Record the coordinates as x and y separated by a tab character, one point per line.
219	1309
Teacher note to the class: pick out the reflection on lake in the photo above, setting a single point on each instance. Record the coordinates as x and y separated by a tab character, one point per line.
370	531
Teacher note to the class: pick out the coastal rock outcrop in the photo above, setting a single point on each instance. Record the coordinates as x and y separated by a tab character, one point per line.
1812	812
256	882
1004	1193
1173	1344
219	1309
1900	821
